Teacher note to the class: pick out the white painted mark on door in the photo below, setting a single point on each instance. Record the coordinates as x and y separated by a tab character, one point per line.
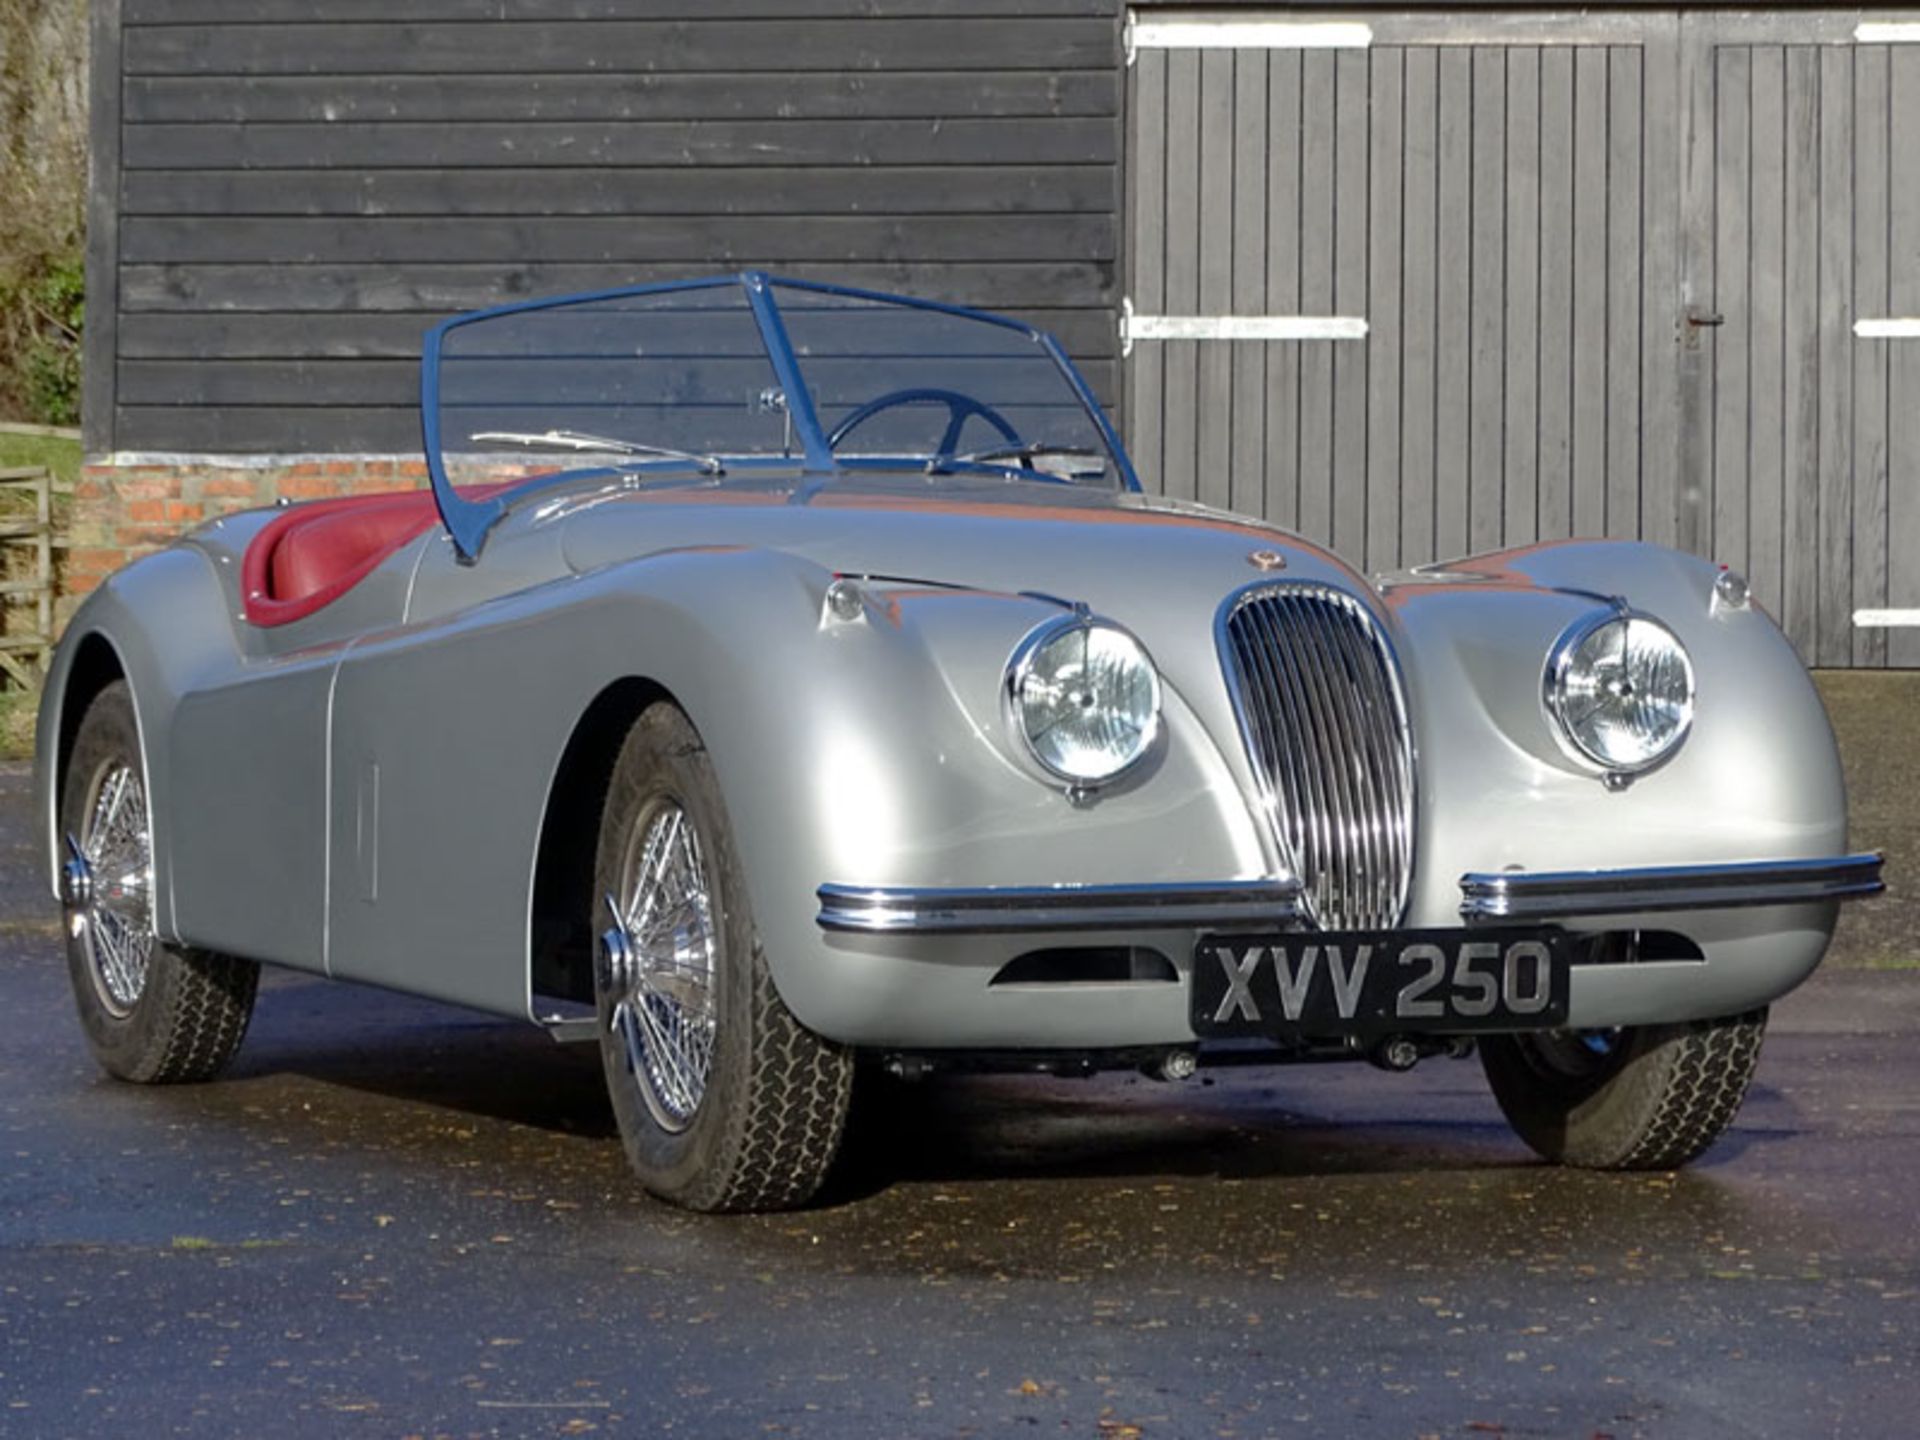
1225	32
1885	619
1236	327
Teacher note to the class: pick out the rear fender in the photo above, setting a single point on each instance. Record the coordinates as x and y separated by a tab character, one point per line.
160	664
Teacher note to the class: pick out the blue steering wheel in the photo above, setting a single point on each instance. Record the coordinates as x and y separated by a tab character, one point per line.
960	409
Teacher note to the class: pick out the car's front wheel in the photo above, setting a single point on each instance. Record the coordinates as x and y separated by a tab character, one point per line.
153	1012
724	1100
1649	1097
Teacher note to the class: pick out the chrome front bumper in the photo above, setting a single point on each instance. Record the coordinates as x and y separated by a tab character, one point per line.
1546	895
1276	904
1270	904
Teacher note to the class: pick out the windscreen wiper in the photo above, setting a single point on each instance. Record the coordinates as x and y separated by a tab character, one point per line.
579	440
1023	454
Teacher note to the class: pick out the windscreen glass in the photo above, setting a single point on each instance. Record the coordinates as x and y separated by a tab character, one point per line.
685	377
893	380
607	381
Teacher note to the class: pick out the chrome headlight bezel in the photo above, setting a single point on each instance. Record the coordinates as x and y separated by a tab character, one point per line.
1020	666
1560	663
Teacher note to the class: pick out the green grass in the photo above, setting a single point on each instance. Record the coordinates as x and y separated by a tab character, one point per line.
60	456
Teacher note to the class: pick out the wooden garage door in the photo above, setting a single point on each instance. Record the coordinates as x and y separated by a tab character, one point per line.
1803	401
1481	203
1543	276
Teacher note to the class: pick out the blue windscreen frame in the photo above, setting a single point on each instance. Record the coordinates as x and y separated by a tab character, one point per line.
468	521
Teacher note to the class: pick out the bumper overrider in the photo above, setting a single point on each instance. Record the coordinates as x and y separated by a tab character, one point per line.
1501	897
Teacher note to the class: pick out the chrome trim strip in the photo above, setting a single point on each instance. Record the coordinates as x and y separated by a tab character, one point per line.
909	910
1521	894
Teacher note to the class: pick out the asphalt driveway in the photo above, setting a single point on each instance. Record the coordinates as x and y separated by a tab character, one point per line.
400	1219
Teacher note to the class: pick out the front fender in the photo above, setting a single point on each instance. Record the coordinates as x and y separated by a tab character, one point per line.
1758	777
873	752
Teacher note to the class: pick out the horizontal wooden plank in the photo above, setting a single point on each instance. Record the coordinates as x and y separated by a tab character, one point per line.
522	48
334	99
984	190
735	381
200	12
1073	141
268	430
721	243
393	429
396	335
293	288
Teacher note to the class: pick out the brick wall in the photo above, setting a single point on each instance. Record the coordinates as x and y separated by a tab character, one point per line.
125	506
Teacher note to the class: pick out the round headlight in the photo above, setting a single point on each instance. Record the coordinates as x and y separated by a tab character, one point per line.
1621	688
1084	698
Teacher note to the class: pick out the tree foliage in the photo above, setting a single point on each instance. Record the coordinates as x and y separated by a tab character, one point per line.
43	177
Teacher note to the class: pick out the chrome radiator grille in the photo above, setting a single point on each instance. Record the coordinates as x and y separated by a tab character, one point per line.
1325	725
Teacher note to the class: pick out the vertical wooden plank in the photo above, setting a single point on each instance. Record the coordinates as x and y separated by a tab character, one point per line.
1384	344
43	568
1487	305
1834	645
1903	384
1800	375
1588	373
1147	196
1559	275
1453	315
1181	357
1286	143
1626	300
1419	245
1213	446
1872	179
1347	473
1676	264
1521	402
1249	360
1320	122
1766	332
1731	341
100	342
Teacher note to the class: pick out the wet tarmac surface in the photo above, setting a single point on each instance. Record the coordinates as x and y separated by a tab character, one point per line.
400	1219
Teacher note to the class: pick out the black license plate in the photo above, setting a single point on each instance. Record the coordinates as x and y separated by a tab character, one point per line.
1380	982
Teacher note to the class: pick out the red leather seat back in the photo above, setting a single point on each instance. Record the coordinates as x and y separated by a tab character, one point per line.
313	554
317	552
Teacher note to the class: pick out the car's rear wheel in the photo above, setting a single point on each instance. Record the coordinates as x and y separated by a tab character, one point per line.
724	1100
1650	1097
154	1013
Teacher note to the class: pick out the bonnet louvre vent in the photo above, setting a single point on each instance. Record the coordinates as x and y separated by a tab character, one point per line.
1325	725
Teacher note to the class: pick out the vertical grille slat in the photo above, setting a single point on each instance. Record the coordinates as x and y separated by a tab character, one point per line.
1325	724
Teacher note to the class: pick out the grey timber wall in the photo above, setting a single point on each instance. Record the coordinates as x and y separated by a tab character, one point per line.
1611	265
302	186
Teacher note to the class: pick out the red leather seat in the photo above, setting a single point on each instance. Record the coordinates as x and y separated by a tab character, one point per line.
309	557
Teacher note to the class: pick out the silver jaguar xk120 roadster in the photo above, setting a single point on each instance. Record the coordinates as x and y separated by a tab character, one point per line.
780	676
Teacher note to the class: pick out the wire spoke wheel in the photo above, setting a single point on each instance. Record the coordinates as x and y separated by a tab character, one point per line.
1640	1097
155	1011
114	919
662	957
725	1102
1576	1057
